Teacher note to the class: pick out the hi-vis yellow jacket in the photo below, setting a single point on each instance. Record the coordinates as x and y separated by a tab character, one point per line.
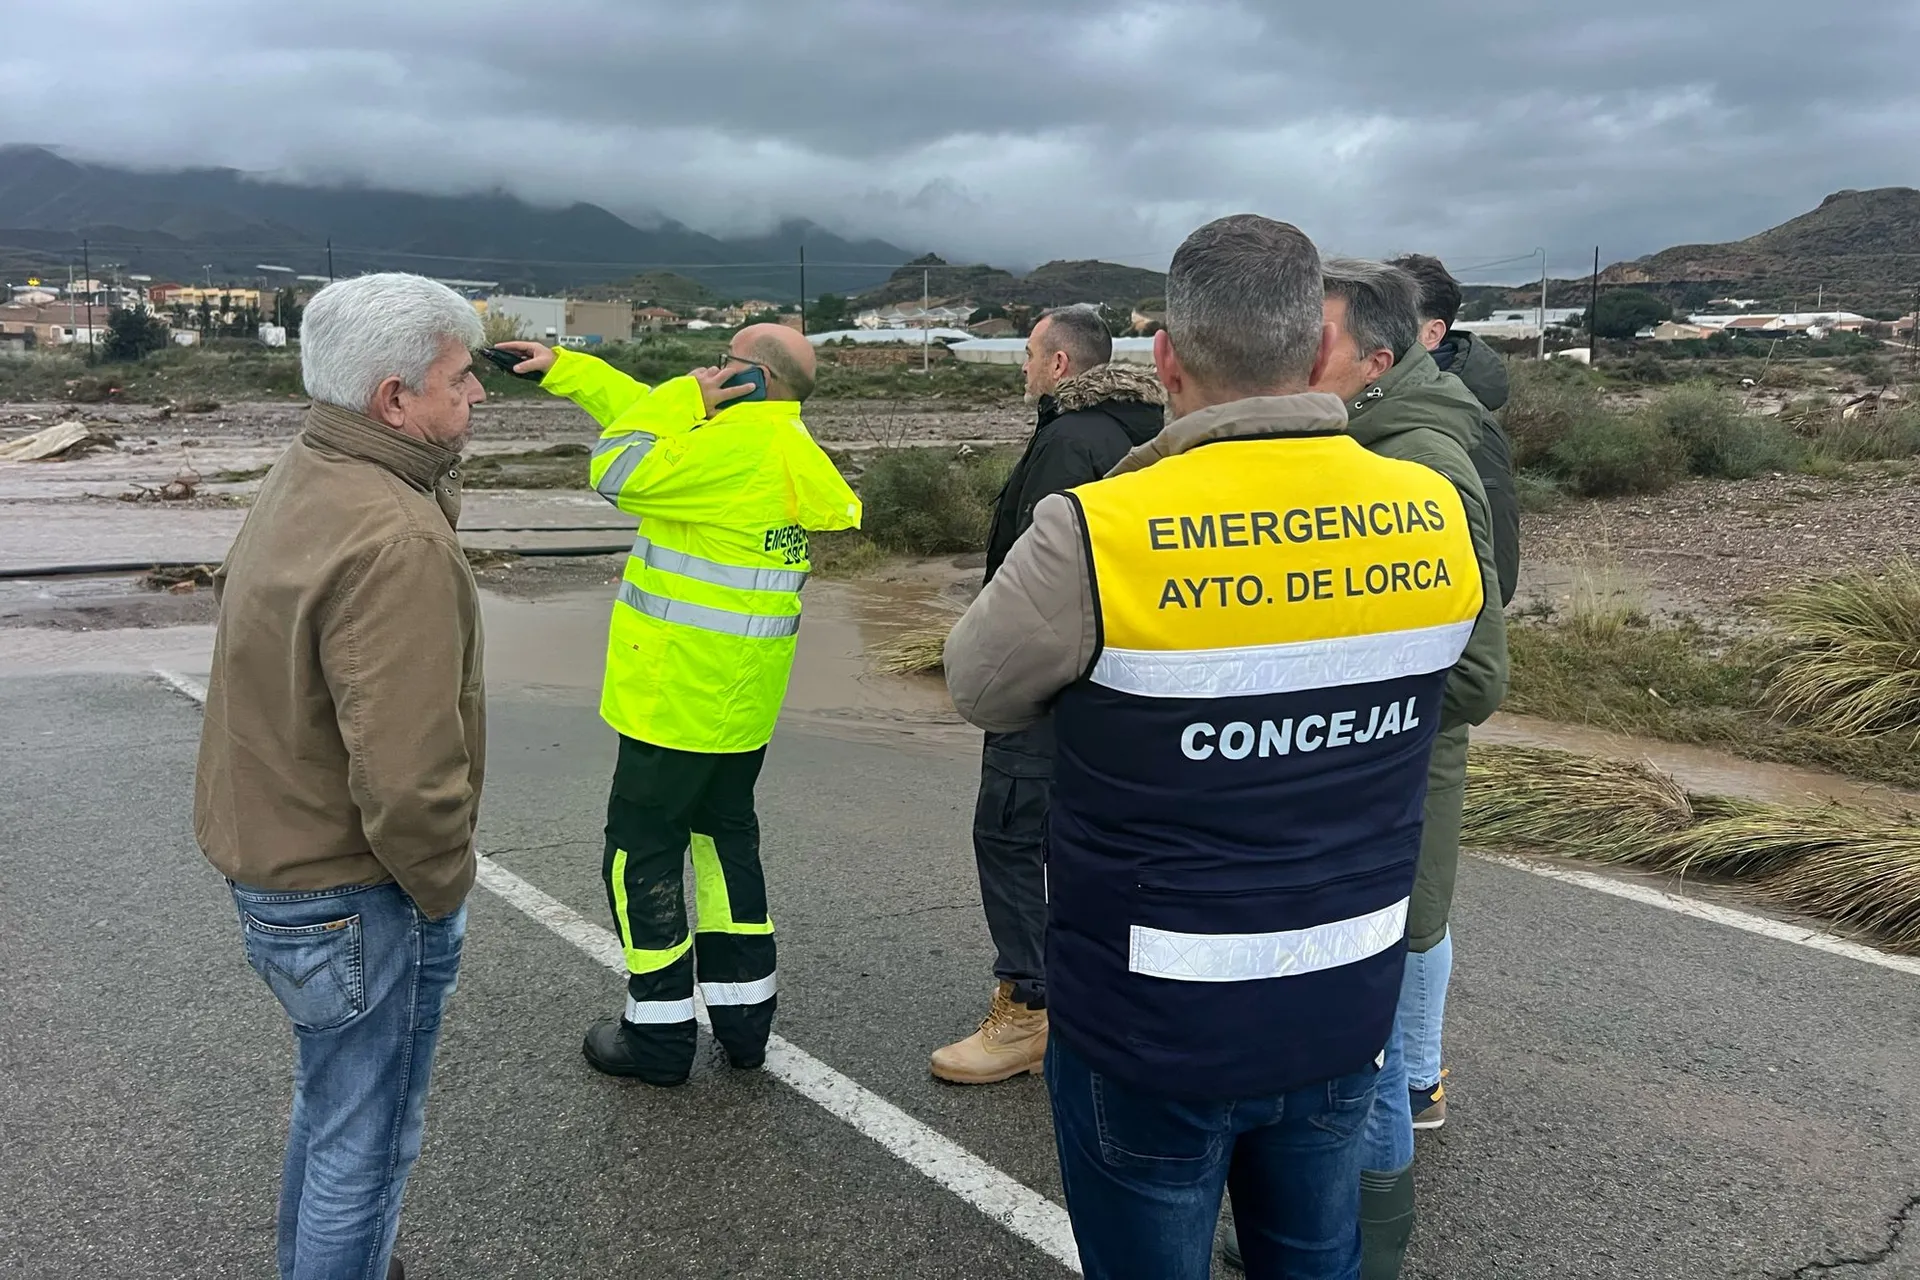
702	638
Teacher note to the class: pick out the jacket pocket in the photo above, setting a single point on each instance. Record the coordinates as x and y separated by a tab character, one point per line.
314	970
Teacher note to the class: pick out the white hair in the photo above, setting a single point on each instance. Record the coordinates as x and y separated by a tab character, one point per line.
355	334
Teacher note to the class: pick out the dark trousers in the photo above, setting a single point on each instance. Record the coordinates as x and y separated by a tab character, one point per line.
665	804
1143	1175
1009	846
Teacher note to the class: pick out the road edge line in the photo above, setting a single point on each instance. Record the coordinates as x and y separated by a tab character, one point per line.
1764	926
998	1196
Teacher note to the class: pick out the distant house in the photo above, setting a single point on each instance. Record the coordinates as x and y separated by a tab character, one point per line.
1736	304
656	319
1676	331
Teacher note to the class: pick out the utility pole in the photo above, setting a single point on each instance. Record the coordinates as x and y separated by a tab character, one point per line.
926	305
803	290
86	269
1593	312
329	259
1542	353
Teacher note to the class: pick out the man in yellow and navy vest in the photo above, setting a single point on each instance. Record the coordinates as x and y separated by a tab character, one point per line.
726	489
1248	635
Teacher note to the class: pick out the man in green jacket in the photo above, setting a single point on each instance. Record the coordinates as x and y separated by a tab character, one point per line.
1400	405
1477	365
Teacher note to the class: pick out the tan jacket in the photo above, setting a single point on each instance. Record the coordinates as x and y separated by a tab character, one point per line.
345	734
1033	631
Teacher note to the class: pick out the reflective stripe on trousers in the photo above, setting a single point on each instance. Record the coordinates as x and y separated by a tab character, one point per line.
759	626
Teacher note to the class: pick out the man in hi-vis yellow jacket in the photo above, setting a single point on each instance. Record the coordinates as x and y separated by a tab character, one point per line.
727	484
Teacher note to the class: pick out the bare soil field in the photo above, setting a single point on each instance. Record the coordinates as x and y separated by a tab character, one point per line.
1711	549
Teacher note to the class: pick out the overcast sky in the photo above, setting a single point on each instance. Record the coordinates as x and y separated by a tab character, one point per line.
1017	131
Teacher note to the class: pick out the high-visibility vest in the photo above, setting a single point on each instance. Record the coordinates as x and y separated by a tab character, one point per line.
702	638
1237	794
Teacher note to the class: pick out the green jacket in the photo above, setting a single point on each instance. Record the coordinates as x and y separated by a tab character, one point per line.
1418	414
1485	373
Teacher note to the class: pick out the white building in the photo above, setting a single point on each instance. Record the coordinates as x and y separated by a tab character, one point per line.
1014	350
541	319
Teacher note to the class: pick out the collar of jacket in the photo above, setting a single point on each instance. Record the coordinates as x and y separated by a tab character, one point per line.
1308	413
429	468
1102	384
758	411
1414	369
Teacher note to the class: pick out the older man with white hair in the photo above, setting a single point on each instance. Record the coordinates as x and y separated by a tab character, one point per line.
341	759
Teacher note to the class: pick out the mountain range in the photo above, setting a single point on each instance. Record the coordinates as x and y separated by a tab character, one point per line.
182	224
1860	250
1055	284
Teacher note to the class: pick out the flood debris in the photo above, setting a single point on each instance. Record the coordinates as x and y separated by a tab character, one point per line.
179	489
179	579
61	441
914	652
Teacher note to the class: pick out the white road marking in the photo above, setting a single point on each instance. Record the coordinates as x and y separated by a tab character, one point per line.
184	684
1767	927
1009	1202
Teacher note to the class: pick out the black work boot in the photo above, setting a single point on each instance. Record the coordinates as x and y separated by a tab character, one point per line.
660	1056
1386	1222
394	1270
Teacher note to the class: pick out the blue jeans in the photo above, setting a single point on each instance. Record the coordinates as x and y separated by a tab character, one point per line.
1389	1135
1423	1008
363	976
1143	1175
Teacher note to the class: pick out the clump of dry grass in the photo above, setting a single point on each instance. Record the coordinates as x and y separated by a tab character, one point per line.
1540	798
1860	870
913	652
1848	658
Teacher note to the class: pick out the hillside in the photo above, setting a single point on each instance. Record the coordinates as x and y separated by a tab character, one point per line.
1055	284
1861	248
174	224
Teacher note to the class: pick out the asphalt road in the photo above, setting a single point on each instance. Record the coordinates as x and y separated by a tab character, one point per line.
1635	1093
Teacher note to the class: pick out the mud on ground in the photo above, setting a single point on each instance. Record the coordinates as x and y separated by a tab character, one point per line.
1714	549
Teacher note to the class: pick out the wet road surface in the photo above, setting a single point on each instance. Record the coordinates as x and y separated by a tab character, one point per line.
1635	1093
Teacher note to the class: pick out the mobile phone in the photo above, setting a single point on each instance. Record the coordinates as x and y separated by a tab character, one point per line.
507	360
751	376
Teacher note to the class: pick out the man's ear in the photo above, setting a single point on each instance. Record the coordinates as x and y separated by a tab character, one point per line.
1328	336
1378	364
1166	363
1431	333
385	406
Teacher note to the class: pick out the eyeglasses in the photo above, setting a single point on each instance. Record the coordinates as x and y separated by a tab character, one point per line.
729	358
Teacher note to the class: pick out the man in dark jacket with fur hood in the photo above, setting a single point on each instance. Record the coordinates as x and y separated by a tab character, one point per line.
1091	413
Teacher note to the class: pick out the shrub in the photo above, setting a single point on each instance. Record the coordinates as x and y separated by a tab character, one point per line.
1875	369
1718	437
1848	661
1866	437
1536	492
1548	400
931	501
1610	454
1648	368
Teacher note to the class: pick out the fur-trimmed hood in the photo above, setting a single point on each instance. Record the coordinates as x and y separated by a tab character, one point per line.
1108	382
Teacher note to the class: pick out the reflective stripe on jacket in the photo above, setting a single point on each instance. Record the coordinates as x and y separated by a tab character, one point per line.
1237	794
702	637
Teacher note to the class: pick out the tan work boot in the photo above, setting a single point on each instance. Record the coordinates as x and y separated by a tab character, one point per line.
1013	1039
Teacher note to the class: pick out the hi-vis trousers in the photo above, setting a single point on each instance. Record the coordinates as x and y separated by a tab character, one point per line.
664	803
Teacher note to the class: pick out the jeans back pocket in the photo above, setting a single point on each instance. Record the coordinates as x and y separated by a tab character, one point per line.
313	970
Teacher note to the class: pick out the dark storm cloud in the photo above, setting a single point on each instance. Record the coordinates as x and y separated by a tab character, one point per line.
1013	131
